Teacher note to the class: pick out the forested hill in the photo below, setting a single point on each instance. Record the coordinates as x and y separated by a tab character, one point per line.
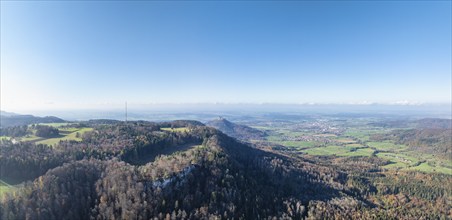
238	131
10	120
429	135
434	123
184	170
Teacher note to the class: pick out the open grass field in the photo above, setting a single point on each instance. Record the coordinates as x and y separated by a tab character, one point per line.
30	138
5	138
299	144
364	152
273	138
66	135
400	159
354	145
409	160
425	167
57	125
263	128
340	151
5	187
325	135
329	150
68	129
346	140
361	134
387	146
69	133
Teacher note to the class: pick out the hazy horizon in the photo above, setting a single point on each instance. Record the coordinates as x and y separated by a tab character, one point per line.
97	55
203	112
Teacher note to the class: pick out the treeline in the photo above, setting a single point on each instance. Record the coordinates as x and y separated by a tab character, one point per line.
40	131
15	131
27	161
46	131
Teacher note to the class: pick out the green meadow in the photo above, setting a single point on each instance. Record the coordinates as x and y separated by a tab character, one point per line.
5	187
57	125
66	134
328	150
5	138
387	146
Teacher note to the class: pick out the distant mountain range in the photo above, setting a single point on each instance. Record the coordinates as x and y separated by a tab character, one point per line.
3	113
238	131
8	119
434	123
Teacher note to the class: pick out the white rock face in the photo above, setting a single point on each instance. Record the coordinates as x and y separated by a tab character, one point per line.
164	182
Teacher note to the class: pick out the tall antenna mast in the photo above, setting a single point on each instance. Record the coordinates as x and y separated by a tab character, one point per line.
126	112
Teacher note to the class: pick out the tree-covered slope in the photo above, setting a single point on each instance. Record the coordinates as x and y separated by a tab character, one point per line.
238	131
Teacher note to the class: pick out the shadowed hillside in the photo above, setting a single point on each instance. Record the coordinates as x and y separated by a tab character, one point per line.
238	131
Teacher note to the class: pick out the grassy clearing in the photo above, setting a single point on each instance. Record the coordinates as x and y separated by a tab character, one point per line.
346	141
66	135
56	124
5	187
262	128
343	151
295	144
354	145
273	138
290	133
387	146
329	150
430	167
395	165
408	160
325	135
298	144
70	129
183	129
5	138
399	159
364	152
30	138
361	134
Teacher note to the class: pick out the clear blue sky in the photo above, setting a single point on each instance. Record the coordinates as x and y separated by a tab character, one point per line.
83	54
